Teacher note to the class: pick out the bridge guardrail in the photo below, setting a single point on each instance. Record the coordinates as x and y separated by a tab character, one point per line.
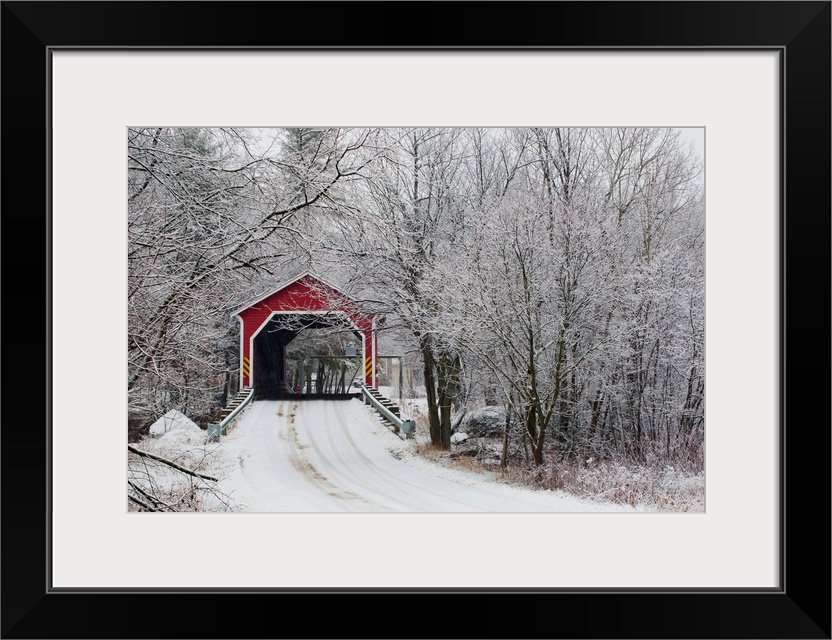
408	427
215	430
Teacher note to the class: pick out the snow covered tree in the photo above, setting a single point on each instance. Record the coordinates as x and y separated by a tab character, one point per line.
403	216
213	214
582	289
559	271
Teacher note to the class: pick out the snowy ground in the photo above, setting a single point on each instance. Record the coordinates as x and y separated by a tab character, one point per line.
339	456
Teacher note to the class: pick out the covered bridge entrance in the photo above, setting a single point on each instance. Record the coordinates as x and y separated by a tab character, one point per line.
272	321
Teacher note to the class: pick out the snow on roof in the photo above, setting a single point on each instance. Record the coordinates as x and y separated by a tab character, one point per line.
271	292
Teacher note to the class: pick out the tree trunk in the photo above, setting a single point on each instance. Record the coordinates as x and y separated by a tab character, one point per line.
504	454
448	379
535	436
430	390
226	387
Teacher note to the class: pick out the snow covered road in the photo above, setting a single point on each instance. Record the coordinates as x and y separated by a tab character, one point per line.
336	456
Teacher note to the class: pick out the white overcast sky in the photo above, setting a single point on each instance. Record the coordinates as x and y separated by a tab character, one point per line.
697	136
692	134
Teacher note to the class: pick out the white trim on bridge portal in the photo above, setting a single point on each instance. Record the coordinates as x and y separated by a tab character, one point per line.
242	353
289	313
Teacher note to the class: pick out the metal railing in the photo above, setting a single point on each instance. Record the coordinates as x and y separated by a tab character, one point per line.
408	427
215	430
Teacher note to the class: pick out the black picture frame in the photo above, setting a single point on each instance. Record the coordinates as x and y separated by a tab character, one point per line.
799	31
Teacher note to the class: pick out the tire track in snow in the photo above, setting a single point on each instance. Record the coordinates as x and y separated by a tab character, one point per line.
271	467
383	474
256	462
306	465
306	472
357	469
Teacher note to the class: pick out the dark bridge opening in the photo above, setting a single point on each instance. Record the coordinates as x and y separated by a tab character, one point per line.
321	365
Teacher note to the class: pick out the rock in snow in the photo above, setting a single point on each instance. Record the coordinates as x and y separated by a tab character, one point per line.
485	422
171	421
459	437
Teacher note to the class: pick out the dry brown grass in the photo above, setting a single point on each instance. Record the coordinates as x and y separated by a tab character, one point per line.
657	488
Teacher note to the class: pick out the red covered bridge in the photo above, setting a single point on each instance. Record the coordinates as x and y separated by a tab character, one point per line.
272	321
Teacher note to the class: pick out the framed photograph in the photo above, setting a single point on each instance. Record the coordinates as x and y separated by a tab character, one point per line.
752	78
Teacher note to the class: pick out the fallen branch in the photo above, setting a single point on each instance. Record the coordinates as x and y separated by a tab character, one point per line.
170	463
142	504
145	494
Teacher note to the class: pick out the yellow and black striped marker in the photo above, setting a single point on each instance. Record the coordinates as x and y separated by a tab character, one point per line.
368	367
246	368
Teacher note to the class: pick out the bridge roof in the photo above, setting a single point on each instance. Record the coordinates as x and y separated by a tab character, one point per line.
309	279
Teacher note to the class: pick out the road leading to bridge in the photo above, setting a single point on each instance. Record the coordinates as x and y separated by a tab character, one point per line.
334	456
